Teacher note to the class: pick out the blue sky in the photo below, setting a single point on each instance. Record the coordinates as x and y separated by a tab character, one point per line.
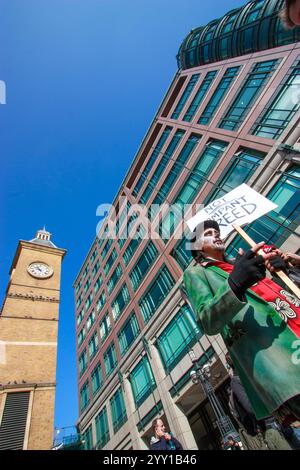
84	79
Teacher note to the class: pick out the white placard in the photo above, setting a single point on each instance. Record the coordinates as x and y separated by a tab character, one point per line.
240	206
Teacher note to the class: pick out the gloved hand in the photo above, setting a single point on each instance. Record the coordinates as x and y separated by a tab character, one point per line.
277	263
248	270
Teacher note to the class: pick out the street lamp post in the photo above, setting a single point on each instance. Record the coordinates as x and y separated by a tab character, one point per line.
202	375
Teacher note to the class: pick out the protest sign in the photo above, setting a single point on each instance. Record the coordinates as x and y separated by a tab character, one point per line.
240	206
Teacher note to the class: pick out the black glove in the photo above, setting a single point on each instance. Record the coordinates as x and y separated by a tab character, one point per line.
277	263
248	270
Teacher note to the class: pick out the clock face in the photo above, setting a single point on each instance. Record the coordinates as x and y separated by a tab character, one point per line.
40	270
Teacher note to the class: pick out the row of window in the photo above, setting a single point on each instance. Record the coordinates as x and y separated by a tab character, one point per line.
274	118
173	343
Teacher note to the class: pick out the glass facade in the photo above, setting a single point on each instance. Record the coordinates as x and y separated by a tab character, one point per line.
162	166
152	159
142	381
102	429
185	95
282	108
218	95
128	333
182	254
244	164
97	379
207	160
203	89
249	92
110	359
175	341
156	293
134	243
178	166
121	301
143	264
275	227
118	410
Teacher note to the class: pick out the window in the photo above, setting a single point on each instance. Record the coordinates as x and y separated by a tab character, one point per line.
93	345
78	286
182	255
79	300
80	317
156	293
273	227
128	333
118	410
176	168
143	265
114	279
251	89
204	87
244	163
130	250
152	159
218	95
207	160
185	96
82	362
142	381
106	248
98	284
122	216
84	396
162	165
110	261
97	379
181	333
105	327
86	271
93	256
88	302
87	438
110	359
96	268
87	285
101	302
282	108
81	336
254	12
102	430
127	229
91	320
120	302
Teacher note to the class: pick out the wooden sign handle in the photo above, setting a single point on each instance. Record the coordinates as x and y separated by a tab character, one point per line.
280	274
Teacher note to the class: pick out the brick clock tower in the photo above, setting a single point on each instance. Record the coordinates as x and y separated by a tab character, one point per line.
28	345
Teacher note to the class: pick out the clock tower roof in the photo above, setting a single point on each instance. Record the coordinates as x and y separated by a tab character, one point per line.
43	238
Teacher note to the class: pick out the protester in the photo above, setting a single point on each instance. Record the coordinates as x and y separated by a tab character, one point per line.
258	320
232	444
163	440
290	14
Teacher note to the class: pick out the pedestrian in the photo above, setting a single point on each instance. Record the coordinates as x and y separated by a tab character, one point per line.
163	440
258	320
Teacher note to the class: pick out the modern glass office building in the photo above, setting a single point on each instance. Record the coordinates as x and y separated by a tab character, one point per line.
230	115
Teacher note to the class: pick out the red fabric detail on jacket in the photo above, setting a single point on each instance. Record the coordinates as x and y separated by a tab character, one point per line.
282	301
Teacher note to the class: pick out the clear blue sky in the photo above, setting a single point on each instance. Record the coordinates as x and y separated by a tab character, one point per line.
84	79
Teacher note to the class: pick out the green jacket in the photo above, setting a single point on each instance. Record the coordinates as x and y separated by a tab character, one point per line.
262	346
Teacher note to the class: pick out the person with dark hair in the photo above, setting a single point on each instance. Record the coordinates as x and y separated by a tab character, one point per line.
163	440
258	320
290	14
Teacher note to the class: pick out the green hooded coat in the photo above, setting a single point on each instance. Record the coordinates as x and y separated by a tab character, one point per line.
265	351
